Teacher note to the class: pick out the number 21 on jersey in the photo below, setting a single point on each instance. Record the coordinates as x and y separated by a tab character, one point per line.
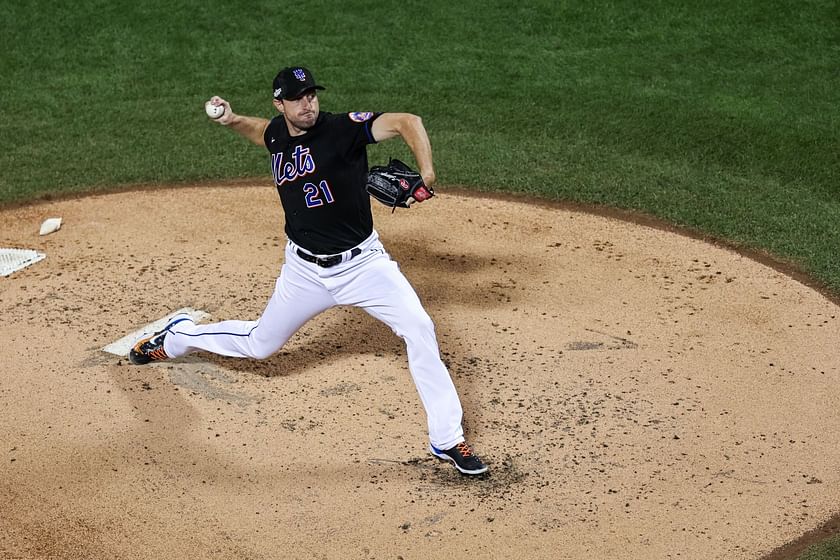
317	195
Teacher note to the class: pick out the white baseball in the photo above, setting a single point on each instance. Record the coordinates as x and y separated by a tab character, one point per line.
214	111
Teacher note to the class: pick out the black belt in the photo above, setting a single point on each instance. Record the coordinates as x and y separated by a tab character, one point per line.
327	262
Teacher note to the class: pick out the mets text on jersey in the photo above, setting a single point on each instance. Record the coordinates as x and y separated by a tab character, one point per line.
300	164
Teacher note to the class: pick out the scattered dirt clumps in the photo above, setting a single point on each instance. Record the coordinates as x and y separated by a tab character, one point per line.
637	393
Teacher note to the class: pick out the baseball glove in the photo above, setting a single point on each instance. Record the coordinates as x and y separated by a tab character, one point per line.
396	184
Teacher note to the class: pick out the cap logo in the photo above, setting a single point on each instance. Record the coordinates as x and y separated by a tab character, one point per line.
300	74
277	92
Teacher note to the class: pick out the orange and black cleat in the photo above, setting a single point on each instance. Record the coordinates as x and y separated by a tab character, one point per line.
462	457
150	349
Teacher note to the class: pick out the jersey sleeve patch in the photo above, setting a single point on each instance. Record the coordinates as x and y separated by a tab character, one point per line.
360	116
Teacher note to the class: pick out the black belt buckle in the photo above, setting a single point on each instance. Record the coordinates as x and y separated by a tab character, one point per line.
327	262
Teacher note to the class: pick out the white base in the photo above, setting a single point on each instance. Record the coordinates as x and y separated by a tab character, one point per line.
122	346
50	225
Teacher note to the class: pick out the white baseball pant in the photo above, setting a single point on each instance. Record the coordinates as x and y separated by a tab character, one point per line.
370	280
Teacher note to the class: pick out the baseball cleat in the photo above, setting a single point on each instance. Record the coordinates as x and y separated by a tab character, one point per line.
150	349
462	457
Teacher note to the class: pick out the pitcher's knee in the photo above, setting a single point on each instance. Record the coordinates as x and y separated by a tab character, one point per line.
261	349
419	322
262	343
262	353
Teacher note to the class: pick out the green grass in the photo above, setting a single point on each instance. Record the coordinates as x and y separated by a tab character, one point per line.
829	550
723	117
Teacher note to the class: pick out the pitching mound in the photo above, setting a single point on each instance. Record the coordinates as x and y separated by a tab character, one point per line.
638	394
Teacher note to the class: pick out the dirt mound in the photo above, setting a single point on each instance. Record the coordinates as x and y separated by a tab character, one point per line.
638	394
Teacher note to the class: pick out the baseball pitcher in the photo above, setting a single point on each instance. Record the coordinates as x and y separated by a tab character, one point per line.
333	255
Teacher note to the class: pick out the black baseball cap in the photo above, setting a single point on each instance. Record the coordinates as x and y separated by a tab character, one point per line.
293	81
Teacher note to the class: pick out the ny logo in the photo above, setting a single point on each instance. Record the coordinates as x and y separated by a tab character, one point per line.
300	75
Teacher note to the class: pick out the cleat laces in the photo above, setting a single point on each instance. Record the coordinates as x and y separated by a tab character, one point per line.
158	354
464	449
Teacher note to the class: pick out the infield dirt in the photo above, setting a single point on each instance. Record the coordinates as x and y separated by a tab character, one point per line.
638	393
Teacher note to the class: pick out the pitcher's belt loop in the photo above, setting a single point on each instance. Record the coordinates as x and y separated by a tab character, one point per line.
332	260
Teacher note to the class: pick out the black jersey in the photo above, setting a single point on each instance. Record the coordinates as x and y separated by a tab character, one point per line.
321	178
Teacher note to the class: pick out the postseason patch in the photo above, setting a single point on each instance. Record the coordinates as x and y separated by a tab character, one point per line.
360	117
